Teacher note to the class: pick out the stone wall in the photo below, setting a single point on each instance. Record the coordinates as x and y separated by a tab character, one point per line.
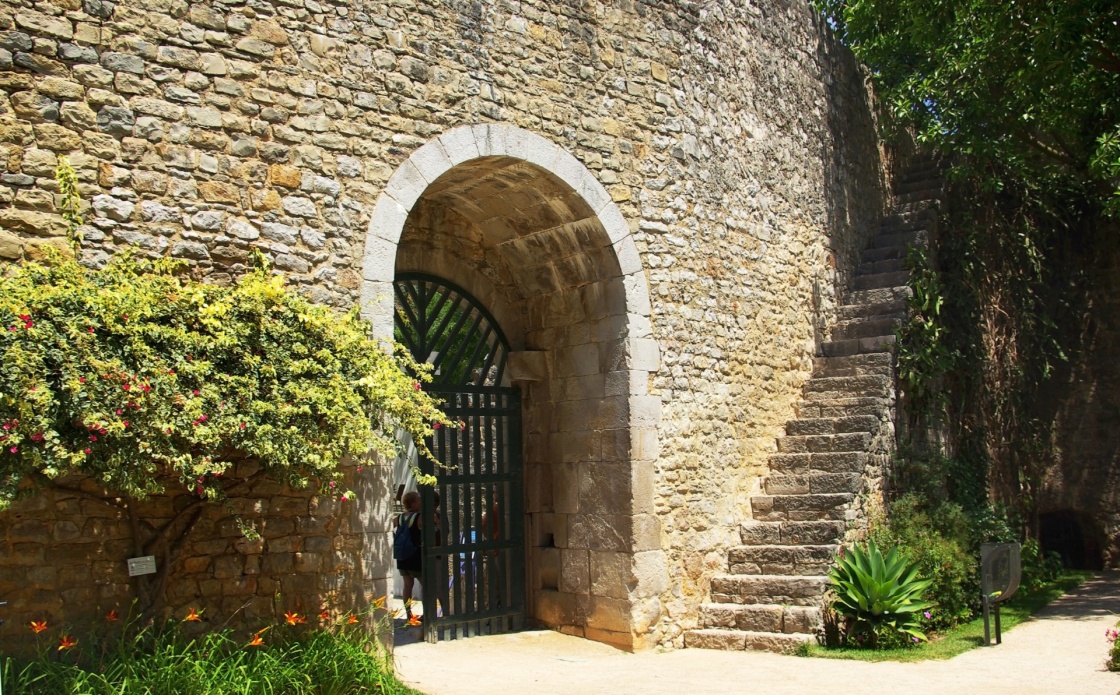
735	139
64	552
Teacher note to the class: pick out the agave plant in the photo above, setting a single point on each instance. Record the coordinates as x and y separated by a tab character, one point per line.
878	595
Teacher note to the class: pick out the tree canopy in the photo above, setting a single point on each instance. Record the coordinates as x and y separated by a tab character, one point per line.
1029	86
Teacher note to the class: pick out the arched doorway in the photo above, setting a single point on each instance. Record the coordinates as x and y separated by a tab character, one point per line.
474	564
525	229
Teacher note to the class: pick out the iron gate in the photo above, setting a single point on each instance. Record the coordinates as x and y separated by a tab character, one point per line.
474	551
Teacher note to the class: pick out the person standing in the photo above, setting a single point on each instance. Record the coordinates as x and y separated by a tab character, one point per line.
409	564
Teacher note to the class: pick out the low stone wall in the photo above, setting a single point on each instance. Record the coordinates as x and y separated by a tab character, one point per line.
64	551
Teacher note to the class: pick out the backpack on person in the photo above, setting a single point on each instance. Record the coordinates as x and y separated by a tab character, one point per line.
403	547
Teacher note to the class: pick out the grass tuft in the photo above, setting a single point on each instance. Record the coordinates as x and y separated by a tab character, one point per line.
170	662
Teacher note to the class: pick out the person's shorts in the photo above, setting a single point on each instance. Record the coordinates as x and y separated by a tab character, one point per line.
415	574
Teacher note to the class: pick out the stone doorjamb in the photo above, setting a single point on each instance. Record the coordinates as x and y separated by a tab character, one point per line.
406	186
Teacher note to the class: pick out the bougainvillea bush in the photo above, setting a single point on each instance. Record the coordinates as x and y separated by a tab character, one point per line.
135	375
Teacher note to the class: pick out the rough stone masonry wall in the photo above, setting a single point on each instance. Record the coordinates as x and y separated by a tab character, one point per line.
64	550
735	137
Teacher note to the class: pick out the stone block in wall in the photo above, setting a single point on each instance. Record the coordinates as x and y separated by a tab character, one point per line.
609	614
604	488
600	532
575	577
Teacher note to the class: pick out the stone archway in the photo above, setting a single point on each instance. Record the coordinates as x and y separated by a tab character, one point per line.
531	233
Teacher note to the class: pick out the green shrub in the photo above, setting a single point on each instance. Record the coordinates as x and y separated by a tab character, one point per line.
879	597
937	541
1039	569
134	374
290	659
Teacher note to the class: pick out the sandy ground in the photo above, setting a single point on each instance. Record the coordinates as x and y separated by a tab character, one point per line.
1061	650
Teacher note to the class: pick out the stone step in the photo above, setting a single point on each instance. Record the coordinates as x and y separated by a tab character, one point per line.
753	532
896	309
828	387
919	238
920	182
832	506
814	483
804	464
929	193
898	278
848	407
821	425
824	443
857	346
762	588
881	295
739	640
781	559
868	327
908	220
881	363
882	265
760	617
883	253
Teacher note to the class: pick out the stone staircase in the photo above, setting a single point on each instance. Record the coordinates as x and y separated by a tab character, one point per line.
836	449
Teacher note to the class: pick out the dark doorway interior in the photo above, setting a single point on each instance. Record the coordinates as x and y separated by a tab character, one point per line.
1074	536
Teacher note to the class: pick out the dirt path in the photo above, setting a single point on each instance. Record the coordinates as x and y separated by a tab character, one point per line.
1061	650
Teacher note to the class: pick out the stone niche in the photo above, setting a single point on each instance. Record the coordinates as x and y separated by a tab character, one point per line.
64	553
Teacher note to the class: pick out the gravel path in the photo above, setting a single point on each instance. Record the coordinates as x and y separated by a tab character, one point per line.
1061	650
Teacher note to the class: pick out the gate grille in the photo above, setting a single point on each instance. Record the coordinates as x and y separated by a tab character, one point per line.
474	570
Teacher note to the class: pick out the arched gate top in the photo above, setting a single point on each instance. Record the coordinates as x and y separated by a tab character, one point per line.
442	324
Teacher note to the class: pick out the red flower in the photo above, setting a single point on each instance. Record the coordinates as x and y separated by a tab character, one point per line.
416	385
25	317
81	380
352	620
88	451
145	388
193	617
119	411
436	426
14	450
112	616
195	392
29	324
127	387
37	437
241	426
325	615
66	642
170	371
125	423
256	641
93	437
202	418
38	626
90	329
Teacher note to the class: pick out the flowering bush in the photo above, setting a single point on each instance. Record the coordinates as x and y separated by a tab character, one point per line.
133	373
1113	637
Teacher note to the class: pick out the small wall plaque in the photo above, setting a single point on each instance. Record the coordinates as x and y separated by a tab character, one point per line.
141	565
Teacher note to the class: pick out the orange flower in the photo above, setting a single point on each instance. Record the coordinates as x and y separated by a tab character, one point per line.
38	626
112	616
294	619
257	641
66	642
352	620
380	603
414	621
325	615
193	617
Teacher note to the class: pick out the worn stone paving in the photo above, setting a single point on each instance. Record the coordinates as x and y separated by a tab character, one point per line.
1062	650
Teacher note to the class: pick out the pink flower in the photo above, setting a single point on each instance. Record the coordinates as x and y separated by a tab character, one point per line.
81	380
90	329
14	450
202	418
93	437
241	426
344	498
88	451
125	423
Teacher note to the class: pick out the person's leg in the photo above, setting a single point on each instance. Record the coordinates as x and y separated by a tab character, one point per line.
408	581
